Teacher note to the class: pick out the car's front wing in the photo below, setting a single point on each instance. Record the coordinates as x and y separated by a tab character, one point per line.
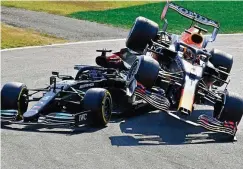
52	119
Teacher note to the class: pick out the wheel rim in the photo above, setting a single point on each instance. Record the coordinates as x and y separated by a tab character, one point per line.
107	109
23	101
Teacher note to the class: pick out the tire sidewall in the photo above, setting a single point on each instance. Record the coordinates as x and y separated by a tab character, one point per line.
231	109
106	98
94	100
12	97
141	34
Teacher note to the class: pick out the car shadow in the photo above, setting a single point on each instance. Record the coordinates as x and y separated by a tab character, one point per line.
53	130
159	128
116	118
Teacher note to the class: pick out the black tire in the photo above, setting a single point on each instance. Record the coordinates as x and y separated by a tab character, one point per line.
141	34
232	110
99	101
14	95
221	58
148	71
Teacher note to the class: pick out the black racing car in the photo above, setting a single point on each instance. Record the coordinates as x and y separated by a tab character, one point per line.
89	98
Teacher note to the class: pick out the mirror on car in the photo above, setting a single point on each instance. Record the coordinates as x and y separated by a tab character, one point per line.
55	73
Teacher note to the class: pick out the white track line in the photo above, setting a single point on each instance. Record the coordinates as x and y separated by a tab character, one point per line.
232	34
229	47
63	44
84	42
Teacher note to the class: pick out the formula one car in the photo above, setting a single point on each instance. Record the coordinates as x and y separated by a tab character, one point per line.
175	72
88	98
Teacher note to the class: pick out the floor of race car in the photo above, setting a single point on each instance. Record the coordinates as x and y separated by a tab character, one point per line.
152	140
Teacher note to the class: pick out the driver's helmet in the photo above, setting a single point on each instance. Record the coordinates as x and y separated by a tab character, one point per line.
192	37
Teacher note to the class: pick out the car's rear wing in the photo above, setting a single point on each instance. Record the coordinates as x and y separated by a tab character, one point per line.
189	14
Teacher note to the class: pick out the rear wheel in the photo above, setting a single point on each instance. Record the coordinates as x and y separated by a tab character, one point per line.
99	101
141	34
232	109
222	61
14	96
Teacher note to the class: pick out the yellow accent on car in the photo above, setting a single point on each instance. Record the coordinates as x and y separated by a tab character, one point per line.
186	101
103	102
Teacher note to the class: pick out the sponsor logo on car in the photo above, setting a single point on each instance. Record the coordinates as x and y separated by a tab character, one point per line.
82	117
86	85
45	97
193	15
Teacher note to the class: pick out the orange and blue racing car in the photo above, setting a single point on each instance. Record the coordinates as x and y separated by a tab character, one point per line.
175	72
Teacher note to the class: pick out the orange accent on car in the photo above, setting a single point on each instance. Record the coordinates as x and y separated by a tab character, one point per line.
192	38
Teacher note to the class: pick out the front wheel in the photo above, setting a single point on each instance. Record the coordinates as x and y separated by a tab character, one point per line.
232	110
145	70
99	101
14	96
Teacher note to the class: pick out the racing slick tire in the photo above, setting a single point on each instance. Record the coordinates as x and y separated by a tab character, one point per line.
223	59
99	101
14	96
232	109
148	70
141	34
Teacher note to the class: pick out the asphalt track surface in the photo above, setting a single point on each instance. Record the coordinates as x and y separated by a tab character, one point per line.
151	140
60	26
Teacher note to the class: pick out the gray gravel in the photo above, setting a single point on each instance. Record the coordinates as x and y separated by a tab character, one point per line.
60	26
152	140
